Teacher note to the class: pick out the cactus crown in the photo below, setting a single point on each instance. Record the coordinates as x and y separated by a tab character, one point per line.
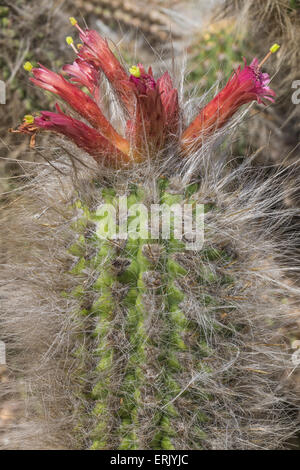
150	104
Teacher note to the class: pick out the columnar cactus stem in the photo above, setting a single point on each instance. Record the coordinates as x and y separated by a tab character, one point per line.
104	310
172	342
153	361
134	374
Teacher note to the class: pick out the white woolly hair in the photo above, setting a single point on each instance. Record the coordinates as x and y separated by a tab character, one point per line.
253	404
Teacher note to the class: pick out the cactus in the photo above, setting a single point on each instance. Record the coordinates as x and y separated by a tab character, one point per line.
147	17
146	342
142	283
212	55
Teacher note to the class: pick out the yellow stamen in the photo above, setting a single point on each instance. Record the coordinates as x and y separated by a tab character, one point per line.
69	40
28	66
79	46
29	119
135	71
272	49
73	21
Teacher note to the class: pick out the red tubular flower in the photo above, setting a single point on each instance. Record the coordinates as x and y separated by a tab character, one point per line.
83	73
80	102
169	99
82	135
244	86
97	52
148	125
152	105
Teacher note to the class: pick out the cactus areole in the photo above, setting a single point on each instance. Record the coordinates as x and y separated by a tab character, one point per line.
147	344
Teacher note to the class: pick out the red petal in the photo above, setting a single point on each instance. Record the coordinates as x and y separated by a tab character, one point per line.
83	136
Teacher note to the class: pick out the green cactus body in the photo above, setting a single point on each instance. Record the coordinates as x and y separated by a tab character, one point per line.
220	51
142	390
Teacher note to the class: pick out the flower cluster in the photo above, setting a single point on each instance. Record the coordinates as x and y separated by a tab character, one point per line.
151	105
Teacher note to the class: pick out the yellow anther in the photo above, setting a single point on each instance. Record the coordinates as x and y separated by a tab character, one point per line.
69	40
73	21
135	71
79	46
29	119
274	48
28	66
